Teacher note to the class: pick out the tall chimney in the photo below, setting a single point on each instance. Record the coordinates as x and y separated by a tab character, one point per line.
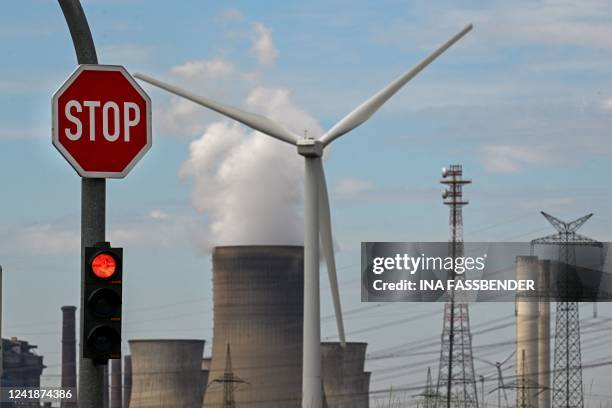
127	381
68	353
527	337
115	381
544	335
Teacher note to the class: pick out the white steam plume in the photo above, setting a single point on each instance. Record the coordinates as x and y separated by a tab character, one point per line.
249	184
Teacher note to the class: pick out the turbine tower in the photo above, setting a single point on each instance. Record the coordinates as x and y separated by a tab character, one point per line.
567	381
316	206
500	379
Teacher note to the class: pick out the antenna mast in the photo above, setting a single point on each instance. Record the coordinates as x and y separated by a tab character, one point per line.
456	378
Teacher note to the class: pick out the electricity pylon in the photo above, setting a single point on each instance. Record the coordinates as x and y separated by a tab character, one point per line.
523	386
567	382
229	381
429	394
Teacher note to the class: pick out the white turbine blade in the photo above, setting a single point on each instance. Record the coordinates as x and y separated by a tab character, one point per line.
252	120
364	111
327	245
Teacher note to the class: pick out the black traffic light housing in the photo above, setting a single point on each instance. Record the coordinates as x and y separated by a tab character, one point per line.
102	302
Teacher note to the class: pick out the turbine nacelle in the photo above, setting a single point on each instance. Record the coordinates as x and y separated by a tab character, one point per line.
310	147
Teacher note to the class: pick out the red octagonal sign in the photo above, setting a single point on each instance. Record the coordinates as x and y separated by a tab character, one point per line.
101	121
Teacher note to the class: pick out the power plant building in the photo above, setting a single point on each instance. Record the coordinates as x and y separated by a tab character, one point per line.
22	368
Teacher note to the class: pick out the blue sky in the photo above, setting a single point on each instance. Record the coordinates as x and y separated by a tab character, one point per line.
524	102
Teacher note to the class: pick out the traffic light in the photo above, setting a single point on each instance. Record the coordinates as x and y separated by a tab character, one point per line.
102	302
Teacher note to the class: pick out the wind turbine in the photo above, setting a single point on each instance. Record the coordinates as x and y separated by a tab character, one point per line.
316	206
500	378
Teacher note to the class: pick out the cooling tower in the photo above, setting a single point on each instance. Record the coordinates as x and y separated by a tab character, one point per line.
345	384
166	373
544	272
115	384
258	311
68	353
205	372
127	380
527	337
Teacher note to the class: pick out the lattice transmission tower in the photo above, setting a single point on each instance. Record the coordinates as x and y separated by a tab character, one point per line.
229	382
523	387
456	380
428	394
567	380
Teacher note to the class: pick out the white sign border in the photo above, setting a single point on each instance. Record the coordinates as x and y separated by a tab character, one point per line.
55	128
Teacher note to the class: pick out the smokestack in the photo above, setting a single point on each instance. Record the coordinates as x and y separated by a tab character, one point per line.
258	310
68	379
544	334
527	336
115	393
127	380
345	384
166	373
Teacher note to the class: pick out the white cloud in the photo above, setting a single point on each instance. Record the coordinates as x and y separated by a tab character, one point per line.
231	14
513	158
207	77
607	104
497	24
216	68
563	65
39	240
180	117
158	214
263	46
156	229
278	104
550	22
216	78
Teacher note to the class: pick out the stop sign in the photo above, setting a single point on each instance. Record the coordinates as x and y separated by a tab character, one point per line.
101	121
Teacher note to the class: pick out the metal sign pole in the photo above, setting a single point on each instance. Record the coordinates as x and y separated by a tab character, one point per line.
93	207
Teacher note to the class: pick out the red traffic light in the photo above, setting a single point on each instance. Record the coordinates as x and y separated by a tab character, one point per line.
104	265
